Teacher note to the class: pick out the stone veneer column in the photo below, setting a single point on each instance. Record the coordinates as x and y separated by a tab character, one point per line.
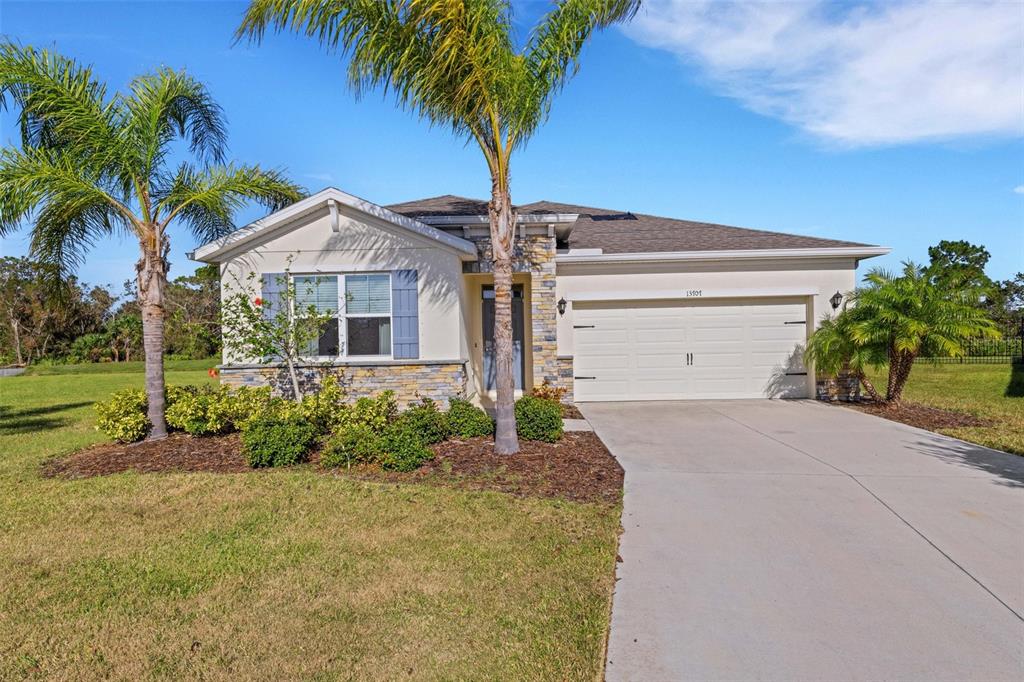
543	309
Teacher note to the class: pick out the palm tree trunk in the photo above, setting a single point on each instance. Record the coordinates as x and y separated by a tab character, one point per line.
898	375
869	387
152	277
502	223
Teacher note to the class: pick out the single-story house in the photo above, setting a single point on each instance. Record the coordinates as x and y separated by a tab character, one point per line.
611	305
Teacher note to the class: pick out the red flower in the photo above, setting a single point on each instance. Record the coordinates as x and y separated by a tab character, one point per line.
258	301
212	372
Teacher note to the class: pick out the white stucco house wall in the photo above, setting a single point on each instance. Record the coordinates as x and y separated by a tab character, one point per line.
611	305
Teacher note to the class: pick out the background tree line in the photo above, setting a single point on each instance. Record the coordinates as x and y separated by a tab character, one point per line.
75	322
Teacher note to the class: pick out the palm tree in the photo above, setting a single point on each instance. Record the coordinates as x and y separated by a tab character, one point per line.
454	62
909	315
92	167
833	351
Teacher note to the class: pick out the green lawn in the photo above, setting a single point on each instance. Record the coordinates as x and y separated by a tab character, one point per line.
992	392
283	574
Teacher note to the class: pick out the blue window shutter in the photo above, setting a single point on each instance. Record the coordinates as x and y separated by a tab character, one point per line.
405	315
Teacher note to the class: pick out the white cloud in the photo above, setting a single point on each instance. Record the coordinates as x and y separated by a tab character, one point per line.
1019	189
863	74
322	177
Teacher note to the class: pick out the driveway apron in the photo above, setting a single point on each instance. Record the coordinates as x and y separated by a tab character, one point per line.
791	540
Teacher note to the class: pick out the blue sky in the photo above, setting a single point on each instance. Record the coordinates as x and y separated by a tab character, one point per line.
860	122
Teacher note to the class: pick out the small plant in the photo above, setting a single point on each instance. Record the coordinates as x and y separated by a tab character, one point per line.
548	391
425	419
402	449
376	412
274	441
538	419
466	420
352	443
123	417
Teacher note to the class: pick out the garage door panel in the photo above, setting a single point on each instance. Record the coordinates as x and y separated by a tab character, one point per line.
640	350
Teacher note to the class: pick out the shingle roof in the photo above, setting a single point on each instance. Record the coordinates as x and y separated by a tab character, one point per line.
625	232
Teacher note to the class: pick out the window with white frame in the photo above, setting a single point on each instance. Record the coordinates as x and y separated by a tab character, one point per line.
360	309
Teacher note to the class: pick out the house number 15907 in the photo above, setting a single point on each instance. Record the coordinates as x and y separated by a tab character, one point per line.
693	292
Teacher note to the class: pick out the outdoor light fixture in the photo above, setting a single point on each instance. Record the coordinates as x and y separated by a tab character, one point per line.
836	299
561	306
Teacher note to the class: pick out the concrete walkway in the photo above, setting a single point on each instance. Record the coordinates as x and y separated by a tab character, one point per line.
790	540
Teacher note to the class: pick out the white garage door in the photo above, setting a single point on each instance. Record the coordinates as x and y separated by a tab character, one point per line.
689	350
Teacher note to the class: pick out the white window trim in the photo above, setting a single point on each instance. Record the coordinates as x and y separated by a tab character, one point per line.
342	315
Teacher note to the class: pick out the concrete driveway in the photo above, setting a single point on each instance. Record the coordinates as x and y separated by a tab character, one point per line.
792	540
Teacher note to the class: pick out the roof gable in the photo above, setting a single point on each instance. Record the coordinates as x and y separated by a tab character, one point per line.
290	218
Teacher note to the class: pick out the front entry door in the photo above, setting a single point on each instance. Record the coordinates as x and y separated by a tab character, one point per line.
490	368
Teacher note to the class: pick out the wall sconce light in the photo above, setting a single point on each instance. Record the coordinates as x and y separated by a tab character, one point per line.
561	306
836	299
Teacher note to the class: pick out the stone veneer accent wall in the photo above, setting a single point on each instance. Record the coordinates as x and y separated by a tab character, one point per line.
535	254
410	380
565	379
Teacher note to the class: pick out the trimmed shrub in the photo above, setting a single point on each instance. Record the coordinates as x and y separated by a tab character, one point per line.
426	420
274	441
401	448
123	417
205	410
245	403
200	412
375	412
352	443
466	420
538	419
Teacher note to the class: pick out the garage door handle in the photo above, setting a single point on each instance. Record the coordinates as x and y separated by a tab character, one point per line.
584	377
583	326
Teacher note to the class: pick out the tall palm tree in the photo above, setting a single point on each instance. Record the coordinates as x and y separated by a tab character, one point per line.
908	315
455	63
92	167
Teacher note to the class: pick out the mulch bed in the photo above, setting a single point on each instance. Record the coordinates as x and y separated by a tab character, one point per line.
578	467
928	418
177	452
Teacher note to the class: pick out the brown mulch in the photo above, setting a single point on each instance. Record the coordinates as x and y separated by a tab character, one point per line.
578	467
570	411
177	452
928	418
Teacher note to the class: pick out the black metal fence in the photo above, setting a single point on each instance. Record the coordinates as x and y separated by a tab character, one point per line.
1010	348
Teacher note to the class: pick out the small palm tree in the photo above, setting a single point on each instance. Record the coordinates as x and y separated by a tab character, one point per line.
833	351
92	167
455	63
911	314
